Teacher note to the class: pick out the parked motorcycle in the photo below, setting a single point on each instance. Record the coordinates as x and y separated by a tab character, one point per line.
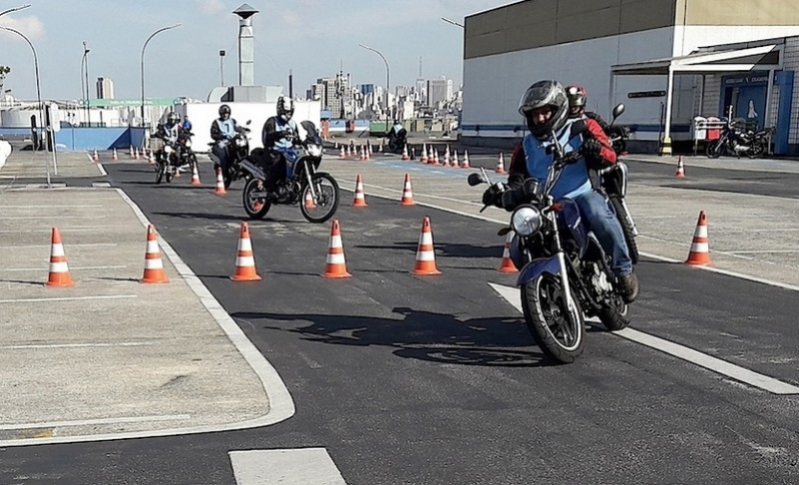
302	184
238	149
567	273
613	181
735	140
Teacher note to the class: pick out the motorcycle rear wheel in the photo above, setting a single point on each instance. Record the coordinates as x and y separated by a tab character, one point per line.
559	335
255	207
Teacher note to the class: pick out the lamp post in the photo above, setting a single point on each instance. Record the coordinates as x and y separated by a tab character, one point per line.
38	89
222	67
387	79
142	64
85	83
15	9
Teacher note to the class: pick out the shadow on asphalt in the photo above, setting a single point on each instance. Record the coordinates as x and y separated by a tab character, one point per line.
452	250
429	336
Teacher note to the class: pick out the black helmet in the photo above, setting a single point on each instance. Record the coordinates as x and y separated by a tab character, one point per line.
285	108
172	118
540	94
223	110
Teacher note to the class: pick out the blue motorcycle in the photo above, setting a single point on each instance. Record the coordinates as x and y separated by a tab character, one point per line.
567	273
316	192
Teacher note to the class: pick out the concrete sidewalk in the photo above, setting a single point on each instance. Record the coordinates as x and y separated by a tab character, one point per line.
110	357
34	165
751	235
726	163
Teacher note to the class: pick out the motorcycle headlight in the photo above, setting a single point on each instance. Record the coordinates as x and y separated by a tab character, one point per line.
241	142
314	151
188	143
526	220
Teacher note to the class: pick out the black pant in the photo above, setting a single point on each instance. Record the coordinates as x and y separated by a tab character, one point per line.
276	171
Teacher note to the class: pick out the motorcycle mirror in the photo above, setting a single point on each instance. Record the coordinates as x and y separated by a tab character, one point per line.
618	110
248	122
475	179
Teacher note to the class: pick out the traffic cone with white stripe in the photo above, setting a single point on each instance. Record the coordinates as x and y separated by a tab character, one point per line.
245	261
342	155
407	192
405	152
151	160
360	200
680	168
131	152
336	264
220	183
423	158
115	157
425	254
500	164
153	266
59	270
195	175
309	203
96	157
465	163
507	265
700	251
455	162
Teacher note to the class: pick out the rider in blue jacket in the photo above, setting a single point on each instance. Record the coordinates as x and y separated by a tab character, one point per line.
278	136
545	107
223	129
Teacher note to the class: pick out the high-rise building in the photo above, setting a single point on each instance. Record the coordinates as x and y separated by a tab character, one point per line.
439	90
367	88
105	88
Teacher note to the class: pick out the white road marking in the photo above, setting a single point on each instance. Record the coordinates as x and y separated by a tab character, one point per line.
101	185
93	245
73	346
64	230
90	422
303	466
765	251
71	268
754	379
51	216
69	298
99	165
67	206
505	222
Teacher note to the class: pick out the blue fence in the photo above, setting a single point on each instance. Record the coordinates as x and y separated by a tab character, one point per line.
83	138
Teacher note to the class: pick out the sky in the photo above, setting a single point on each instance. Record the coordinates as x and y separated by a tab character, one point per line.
312	38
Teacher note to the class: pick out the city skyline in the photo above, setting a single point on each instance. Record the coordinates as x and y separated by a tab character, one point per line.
185	61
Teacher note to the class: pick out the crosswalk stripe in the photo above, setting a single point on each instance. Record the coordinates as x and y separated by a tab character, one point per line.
301	466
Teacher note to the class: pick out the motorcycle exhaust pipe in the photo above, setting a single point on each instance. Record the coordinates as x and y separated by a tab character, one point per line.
253	169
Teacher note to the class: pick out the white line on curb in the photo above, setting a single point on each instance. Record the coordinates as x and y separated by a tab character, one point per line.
68	298
89	422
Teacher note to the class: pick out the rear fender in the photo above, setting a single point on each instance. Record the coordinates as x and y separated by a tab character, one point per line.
536	268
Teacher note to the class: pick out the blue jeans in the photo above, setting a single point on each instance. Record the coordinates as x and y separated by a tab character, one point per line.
600	219
221	154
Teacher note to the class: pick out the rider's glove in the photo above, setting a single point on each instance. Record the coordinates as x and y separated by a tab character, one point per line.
591	147
493	194
571	157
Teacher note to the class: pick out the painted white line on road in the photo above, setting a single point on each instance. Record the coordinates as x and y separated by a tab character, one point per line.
765	251
506	218
439	197
99	165
73	346
69	298
303	466
512	295
281	406
51	206
64	230
51	216
101	185
89	245
91	422
71	268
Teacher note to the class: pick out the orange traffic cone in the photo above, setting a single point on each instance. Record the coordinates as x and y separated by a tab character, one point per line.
115	155
131	152
309	203
336	264
500	164
96	157
423	158
342	155
405	152
59	270
407	192
425	254
245	262
680	168
153	266
195	175
465	159
220	183
455	163
700	252
507	265
360	200
151	159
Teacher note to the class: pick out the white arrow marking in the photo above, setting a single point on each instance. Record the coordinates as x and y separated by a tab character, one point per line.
304	466
774	386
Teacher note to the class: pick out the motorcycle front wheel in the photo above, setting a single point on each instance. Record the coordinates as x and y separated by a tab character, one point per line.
558	332
714	149
253	197
322	207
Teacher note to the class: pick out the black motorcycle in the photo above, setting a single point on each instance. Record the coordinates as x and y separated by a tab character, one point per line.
397	140
173	155
567	274
613	181
736	140
237	149
303	184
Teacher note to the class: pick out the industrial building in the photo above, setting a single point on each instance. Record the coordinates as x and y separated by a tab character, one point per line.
668	61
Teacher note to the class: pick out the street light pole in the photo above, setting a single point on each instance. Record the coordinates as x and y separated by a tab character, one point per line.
222	67
38	89
387	79
142	64
86	51
452	22
16	9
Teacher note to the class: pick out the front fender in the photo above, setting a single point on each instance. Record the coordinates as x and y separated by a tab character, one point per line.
536	268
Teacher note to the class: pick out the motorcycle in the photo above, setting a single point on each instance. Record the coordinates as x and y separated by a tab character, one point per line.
302	184
736	140
237	149
173	156
613	181
567	273
397	141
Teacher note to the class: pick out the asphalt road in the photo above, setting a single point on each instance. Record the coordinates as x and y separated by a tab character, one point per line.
434	380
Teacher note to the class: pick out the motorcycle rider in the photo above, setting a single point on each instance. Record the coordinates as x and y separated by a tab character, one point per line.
396	134
578	98
545	107
278	135
223	129
168	131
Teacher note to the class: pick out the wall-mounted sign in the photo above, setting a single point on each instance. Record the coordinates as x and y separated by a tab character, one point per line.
647	94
